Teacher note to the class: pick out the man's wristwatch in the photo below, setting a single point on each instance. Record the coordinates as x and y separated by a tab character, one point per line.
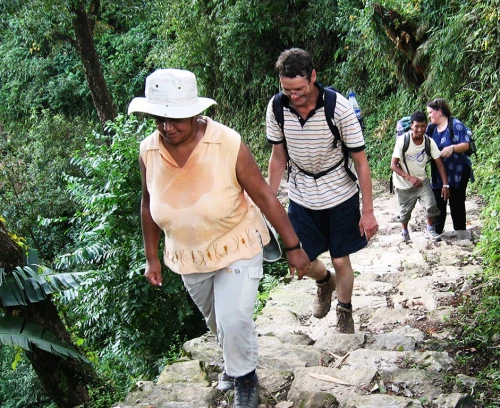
446	185
298	246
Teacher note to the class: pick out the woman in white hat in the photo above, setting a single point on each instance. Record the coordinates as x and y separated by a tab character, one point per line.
197	177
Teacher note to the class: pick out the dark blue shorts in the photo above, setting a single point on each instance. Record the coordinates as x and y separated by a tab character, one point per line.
334	229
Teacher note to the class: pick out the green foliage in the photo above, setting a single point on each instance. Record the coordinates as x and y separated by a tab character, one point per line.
19	385
34	79
274	274
124	53
32	188
41	68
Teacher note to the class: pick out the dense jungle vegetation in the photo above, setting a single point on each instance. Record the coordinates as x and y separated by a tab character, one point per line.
69	177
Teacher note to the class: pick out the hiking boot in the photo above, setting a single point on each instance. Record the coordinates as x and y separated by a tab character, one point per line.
246	391
323	299
405	236
432	235
226	382
345	323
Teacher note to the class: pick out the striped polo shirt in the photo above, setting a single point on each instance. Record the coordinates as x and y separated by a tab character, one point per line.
310	146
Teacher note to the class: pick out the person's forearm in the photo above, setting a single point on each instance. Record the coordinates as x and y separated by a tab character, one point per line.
276	215
365	185
400	172
460	148
150	234
442	171
275	173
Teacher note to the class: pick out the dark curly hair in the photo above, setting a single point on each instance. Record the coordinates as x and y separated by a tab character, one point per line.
440	104
294	62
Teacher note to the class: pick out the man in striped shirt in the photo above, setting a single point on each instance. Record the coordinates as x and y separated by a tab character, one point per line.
324	200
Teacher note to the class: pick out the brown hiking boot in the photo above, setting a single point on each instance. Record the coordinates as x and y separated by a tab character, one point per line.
323	299
345	323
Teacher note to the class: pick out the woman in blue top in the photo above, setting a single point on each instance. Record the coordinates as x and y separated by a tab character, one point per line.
457	163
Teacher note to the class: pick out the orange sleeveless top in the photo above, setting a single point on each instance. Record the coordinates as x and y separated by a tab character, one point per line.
208	220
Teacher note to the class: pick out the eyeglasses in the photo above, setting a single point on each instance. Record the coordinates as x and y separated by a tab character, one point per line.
297	92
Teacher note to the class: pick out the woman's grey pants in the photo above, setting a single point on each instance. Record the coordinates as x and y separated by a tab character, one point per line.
226	298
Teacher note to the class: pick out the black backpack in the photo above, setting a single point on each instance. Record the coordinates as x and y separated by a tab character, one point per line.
472	145
330	95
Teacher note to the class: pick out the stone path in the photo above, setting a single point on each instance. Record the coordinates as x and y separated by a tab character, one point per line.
403	294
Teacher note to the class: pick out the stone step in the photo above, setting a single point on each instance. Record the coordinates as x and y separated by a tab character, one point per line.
184	384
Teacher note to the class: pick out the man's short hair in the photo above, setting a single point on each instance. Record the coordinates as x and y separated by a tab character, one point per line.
294	62
418	116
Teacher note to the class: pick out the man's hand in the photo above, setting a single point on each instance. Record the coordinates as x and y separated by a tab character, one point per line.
368	224
153	272
415	181
298	261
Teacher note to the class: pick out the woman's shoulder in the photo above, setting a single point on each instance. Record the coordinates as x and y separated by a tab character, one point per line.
458	125
225	133
150	142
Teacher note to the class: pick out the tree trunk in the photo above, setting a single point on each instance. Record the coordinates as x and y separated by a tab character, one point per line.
404	35
64	380
85	46
11	254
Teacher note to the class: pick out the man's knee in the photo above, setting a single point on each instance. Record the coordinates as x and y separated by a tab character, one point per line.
342	265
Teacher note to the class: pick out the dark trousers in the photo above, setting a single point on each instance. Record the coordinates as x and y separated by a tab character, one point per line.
457	204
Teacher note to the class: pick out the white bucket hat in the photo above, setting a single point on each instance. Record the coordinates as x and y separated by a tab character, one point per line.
272	251
171	93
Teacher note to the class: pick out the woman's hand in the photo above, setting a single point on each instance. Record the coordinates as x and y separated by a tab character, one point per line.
445	193
153	272
447	151
298	261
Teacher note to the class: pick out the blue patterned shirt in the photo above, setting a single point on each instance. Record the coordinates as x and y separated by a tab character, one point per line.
454	164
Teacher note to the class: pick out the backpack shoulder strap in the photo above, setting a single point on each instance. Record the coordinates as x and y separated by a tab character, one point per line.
406	144
427	147
451	122
278	110
330	103
280	118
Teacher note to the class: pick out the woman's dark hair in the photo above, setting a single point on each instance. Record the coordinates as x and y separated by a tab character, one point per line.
294	62
418	116
440	104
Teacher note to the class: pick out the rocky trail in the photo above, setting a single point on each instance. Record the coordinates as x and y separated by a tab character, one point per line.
404	294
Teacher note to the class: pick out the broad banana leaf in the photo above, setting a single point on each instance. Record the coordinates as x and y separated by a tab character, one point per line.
25	285
16	331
